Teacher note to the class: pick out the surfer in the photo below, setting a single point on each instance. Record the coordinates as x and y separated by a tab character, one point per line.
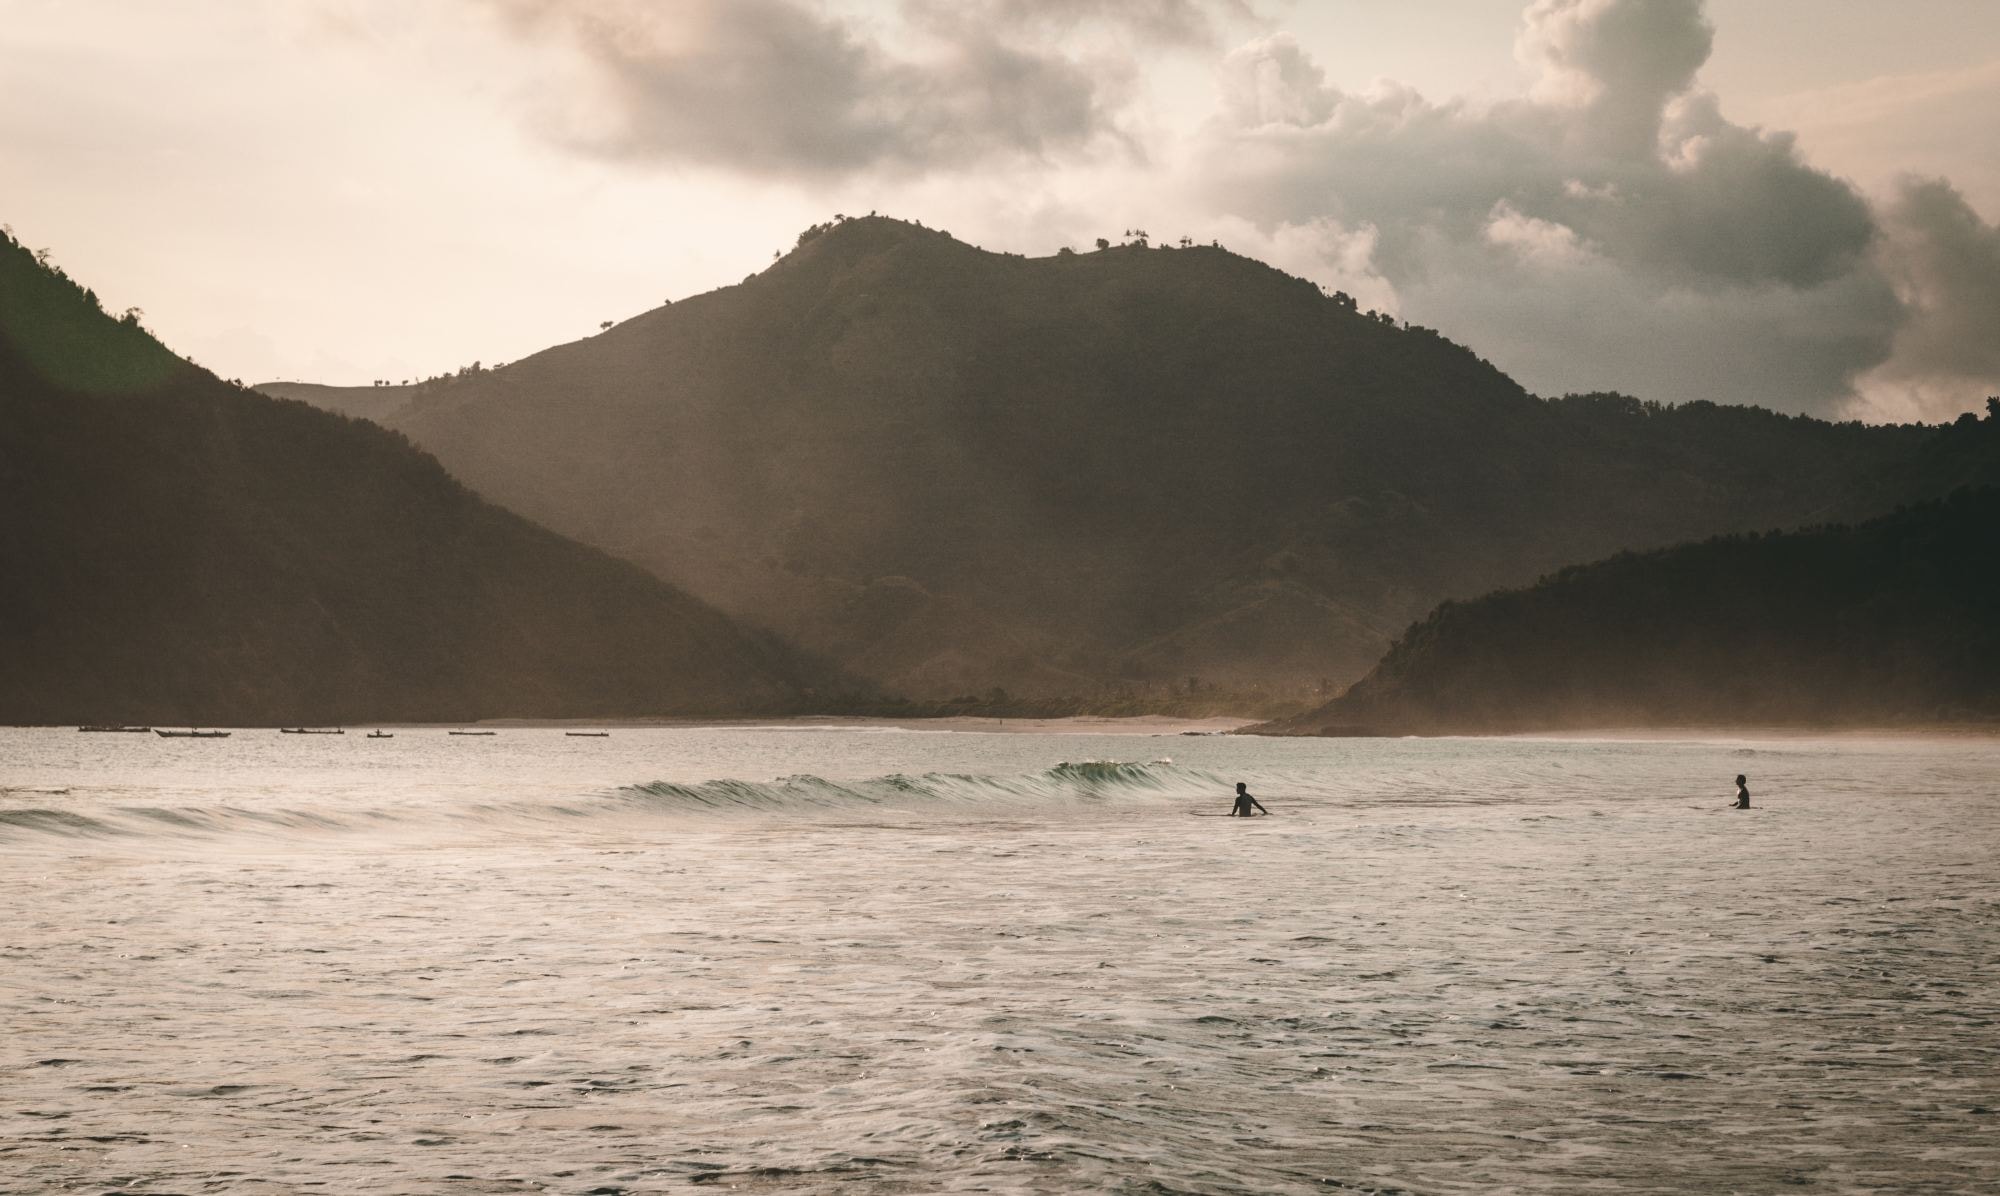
1742	792
1244	802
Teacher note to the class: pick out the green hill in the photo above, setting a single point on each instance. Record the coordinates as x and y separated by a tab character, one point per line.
1895	621
949	469
178	549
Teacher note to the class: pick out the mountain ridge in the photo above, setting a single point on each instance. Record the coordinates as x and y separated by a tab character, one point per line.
947	468
182	550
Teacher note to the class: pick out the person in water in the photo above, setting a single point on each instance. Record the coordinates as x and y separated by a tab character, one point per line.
1742	792
1244	802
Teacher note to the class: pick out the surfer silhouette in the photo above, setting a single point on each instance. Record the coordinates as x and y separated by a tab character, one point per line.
1742	792
1244	802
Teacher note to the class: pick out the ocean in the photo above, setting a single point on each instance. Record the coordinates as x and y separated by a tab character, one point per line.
874	960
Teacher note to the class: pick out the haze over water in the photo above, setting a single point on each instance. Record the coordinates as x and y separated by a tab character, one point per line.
813	960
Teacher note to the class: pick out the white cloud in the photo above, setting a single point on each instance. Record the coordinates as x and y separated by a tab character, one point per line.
1542	242
1614	64
1274	82
1612	229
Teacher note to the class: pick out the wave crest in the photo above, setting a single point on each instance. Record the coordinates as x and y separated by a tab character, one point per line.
1051	792
1087	780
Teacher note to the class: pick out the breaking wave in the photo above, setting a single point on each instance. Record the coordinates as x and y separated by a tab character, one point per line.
1065	788
1087	781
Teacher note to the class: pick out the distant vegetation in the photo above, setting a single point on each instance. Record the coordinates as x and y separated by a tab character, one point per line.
1107	701
1895	621
1090	475
177	549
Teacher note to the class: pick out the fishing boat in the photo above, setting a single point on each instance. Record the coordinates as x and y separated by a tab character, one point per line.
123	730
191	733
588	734
310	731
472	732
381	734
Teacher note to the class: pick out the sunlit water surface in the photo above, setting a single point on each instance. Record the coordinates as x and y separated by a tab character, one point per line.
876	962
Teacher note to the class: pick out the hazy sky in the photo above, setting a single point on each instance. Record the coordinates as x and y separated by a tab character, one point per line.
1790	202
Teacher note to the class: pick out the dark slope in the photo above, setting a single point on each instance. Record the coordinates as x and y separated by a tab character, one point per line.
378	403
951	469
1964	454
176	549
1893	621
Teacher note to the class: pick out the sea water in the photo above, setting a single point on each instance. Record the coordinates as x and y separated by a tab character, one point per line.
872	961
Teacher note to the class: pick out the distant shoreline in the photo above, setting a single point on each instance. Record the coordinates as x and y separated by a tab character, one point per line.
1145	724
1082	724
1707	733
1650	734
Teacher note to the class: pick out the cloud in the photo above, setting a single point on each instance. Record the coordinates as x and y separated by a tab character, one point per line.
1330	253
1611	229
1274	82
795	89
1533	240
1192	23
1614	63
1930	122
1945	264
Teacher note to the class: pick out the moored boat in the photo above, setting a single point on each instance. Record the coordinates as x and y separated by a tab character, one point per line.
311	731
191	733
118	730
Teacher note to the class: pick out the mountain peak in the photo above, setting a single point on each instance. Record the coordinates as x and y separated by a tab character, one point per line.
865	234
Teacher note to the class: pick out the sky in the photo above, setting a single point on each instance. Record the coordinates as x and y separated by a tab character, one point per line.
1791	203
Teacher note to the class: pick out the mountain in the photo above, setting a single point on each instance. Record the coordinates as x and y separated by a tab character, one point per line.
380	404
949	469
177	549
1892	621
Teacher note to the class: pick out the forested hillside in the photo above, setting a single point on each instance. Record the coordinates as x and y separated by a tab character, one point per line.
1892	622
1138	466
178	549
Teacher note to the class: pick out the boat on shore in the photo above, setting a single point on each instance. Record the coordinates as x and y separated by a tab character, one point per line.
117	730
311	731
588	734
191	733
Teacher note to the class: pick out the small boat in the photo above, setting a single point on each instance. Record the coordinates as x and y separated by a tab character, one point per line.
588	734
381	734
472	732
124	730
191	733
310	731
